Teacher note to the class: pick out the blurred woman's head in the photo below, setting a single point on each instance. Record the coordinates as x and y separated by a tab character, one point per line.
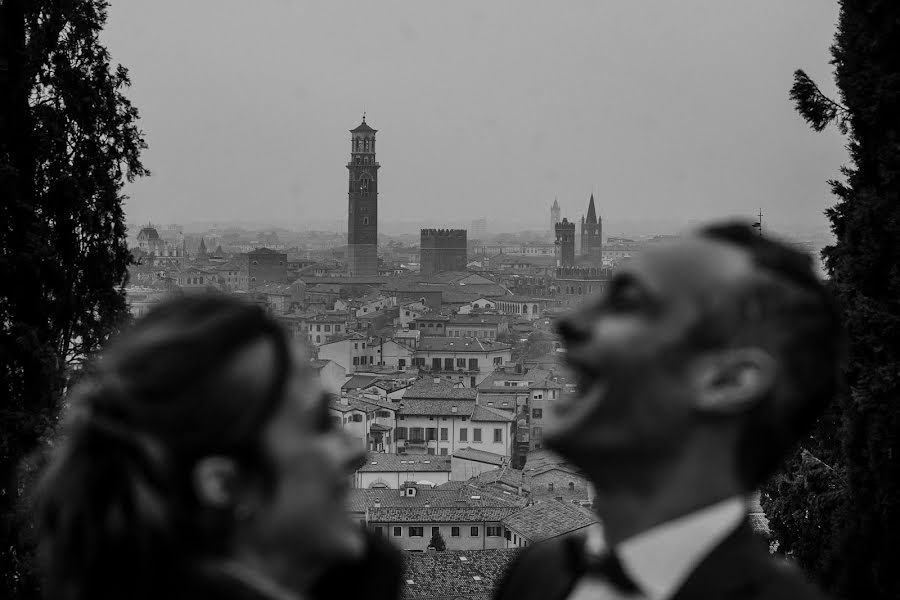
200	433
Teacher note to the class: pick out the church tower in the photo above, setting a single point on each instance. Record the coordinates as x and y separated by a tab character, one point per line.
554	217
362	220
592	233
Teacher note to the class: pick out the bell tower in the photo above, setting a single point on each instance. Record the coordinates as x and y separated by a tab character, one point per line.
362	218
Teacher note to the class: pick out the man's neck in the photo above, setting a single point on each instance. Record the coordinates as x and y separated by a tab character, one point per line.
638	504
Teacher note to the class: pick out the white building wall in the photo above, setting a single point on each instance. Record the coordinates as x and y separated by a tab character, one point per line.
395	479
464	541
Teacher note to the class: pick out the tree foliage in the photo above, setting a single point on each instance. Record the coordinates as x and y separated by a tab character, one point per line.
855	512
437	542
68	142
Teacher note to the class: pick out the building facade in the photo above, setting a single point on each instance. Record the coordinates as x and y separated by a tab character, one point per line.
362	218
261	266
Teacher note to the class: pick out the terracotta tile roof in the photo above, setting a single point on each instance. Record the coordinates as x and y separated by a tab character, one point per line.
486	413
479	456
460	344
445	575
550	519
377	462
437	408
359	382
440	514
440	497
427	389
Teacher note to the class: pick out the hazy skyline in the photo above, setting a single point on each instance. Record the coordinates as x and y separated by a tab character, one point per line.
668	113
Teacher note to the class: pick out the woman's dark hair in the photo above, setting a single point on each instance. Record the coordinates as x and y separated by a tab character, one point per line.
117	510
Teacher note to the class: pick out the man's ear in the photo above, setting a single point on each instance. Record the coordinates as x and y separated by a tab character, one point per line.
216	481
733	381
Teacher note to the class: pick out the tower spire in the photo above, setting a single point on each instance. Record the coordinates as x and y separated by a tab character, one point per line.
592	211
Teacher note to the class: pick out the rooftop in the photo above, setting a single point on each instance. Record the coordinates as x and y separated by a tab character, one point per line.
377	462
546	520
487	413
427	389
358	382
479	456
445	344
437	408
440	514
470	574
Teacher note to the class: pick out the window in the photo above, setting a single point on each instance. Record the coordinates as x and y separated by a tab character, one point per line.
430	434
435	531
550	487
493	531
537	433
356	346
507	535
463	435
379	530
398	531
476	434
318	328
416	531
473	532
328	328
498	435
401	433
454	532
443	452
443	434
537	413
498	360
461	363
473	364
416	434
357	418
448	364
356	360
436	364
365	220
571	486
401	363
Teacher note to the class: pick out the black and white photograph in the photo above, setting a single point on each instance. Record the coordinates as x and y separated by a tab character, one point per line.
416	300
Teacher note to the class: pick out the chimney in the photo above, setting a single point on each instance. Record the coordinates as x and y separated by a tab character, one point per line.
453	408
437	379
345	401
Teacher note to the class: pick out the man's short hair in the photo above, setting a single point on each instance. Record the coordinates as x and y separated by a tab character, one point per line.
785	309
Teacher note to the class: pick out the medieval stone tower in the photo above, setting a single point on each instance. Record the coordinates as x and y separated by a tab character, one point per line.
443	250
592	233
362	219
554	217
565	243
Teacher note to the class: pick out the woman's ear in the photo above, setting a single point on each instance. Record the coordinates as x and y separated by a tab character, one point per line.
216	481
734	381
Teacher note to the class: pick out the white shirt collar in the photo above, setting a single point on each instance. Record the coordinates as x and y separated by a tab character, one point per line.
660	559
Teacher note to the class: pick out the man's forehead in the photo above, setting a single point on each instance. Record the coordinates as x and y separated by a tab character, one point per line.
691	263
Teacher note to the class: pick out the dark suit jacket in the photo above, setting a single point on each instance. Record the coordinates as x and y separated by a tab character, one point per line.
740	568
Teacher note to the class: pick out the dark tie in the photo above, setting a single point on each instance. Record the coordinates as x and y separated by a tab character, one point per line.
609	568
606	566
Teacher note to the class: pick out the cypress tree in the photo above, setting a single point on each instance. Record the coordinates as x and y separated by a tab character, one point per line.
838	511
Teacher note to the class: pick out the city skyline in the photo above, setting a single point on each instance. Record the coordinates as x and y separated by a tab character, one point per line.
477	118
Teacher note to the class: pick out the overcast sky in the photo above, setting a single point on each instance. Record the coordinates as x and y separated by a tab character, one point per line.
668	111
